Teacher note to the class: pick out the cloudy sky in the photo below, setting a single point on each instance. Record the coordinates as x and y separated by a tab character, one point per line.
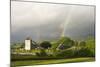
43	21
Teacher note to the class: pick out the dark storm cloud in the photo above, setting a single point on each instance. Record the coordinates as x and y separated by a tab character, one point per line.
43	21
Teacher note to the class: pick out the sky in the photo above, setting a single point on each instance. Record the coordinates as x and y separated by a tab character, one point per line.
45	21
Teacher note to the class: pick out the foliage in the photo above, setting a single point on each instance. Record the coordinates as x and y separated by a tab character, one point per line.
65	43
45	44
83	52
82	44
91	45
65	53
17	45
41	53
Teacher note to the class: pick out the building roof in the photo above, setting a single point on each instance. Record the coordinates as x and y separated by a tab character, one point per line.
28	38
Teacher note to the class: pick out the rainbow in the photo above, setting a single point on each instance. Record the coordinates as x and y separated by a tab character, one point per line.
64	25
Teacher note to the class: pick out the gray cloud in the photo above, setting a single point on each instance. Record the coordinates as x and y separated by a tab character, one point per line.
43	21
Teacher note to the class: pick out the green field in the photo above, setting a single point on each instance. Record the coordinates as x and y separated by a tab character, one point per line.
51	61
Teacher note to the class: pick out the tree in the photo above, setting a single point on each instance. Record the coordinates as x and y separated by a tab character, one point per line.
22	45
45	44
65	43
82	44
90	43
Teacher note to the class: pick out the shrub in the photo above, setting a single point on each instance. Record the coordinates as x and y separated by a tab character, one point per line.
41	53
65	53
85	53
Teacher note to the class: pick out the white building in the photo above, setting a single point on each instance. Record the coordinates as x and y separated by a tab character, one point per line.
28	44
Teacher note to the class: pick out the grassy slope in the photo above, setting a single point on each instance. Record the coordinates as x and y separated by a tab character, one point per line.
55	61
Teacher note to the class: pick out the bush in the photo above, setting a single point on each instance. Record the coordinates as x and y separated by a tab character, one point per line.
41	53
65	53
84	52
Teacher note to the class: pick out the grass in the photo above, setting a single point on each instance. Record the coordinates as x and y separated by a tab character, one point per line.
51	61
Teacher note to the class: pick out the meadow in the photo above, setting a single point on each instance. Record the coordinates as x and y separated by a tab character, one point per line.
51	61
